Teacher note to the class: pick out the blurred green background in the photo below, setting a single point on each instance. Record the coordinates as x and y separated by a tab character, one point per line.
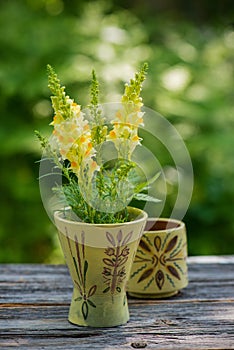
189	46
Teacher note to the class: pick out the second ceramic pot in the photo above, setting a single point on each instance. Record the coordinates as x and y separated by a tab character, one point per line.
159	269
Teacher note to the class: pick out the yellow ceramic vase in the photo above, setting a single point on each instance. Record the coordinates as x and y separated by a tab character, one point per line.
99	258
159	269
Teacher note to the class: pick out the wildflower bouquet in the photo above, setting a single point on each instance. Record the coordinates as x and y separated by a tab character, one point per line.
94	154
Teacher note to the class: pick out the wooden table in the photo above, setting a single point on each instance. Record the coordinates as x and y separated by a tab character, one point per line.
34	302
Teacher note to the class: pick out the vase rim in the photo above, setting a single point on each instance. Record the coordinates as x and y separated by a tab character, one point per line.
141	216
163	224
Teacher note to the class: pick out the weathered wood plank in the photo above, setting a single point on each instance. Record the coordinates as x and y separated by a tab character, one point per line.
23	318
199	267
30	283
34	303
41	293
131	343
196	325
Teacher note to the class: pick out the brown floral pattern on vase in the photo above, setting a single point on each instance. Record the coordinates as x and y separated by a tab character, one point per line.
81	267
114	272
161	260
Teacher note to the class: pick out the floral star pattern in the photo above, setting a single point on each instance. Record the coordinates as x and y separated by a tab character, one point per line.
161	259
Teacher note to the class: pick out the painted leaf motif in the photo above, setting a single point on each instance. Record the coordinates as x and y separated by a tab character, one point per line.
78	299
110	251
77	249
110	238
106	290
106	271
157	243
77	270
109	262
92	291
144	245
159	279
79	287
122	261
173	271
119	236
127	238
82	243
145	275
171	244
91	303
125	251
85	268
138	258
85	310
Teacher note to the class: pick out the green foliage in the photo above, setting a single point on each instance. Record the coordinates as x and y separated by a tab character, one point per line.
81	208
190	81
194	82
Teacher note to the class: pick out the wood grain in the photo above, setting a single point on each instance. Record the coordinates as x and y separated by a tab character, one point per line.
34	303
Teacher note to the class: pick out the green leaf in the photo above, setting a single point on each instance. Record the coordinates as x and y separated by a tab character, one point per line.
146	197
145	185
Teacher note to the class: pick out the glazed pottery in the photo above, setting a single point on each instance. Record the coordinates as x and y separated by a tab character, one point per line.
159	269
99	258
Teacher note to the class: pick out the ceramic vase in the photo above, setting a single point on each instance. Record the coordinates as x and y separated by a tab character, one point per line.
159	269
99	258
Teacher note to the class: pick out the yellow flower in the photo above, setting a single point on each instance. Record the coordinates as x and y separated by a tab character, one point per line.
135	138
125	129
112	134
57	119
